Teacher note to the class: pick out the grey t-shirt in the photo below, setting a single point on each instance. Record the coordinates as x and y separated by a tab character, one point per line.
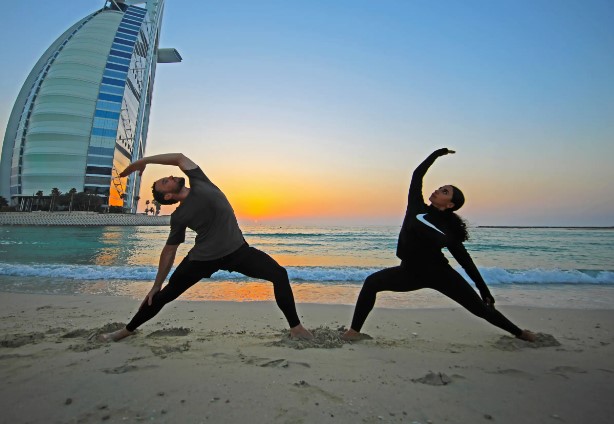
206	211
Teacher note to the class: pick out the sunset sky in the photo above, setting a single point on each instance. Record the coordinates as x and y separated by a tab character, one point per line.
318	111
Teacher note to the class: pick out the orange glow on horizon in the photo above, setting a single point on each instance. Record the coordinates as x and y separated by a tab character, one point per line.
308	202
265	198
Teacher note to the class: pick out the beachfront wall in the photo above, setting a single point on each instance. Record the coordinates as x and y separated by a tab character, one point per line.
83	112
84	219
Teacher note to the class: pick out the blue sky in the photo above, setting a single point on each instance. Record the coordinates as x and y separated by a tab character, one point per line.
318	111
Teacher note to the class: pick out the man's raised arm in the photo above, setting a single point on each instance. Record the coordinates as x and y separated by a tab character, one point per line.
177	159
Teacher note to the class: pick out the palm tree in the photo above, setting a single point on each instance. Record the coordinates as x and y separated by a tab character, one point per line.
55	192
158	205
123	196
39	196
147	207
72	192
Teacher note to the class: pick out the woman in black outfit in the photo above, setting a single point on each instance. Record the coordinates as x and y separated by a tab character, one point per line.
425	231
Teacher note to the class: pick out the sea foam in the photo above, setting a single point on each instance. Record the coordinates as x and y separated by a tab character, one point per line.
318	274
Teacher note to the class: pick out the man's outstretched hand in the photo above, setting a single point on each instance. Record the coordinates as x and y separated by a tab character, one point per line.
134	166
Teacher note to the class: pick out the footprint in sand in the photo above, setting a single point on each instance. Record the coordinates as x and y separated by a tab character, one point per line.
41	308
84	347
272	363
513	372
563	370
121	370
512	343
14	356
163	351
170	332
81	332
323	338
56	330
126	368
315	390
18	340
226	357
258	361
434	379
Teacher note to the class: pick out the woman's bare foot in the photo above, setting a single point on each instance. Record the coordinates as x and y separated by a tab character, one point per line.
115	336
352	335
300	332
527	336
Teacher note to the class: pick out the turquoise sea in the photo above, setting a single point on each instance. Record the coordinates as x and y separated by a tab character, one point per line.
326	264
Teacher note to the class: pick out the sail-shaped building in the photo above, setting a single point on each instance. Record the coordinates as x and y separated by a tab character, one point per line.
83	111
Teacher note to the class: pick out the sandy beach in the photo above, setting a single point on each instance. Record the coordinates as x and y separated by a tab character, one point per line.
231	362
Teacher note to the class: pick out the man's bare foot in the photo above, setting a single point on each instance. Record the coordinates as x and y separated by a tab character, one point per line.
351	335
300	332
115	336
527	336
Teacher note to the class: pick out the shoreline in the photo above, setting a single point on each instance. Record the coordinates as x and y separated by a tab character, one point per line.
231	362
571	296
560	227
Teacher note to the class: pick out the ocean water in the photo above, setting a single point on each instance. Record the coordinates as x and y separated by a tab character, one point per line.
326	264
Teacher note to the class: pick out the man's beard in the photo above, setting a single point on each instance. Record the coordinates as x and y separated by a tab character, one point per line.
180	183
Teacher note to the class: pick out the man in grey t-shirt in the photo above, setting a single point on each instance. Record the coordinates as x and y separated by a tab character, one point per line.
219	244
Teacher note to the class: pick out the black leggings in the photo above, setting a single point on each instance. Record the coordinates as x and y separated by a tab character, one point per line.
246	260
441	278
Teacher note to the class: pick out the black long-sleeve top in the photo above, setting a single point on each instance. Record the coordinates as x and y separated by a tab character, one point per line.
426	230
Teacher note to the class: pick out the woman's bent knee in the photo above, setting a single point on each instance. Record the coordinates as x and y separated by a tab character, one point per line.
371	281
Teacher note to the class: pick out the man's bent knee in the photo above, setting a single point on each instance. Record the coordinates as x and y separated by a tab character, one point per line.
280	276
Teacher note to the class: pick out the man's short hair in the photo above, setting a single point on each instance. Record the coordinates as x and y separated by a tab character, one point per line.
159	196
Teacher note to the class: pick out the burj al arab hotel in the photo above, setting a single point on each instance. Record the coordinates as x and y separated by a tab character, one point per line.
83	111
